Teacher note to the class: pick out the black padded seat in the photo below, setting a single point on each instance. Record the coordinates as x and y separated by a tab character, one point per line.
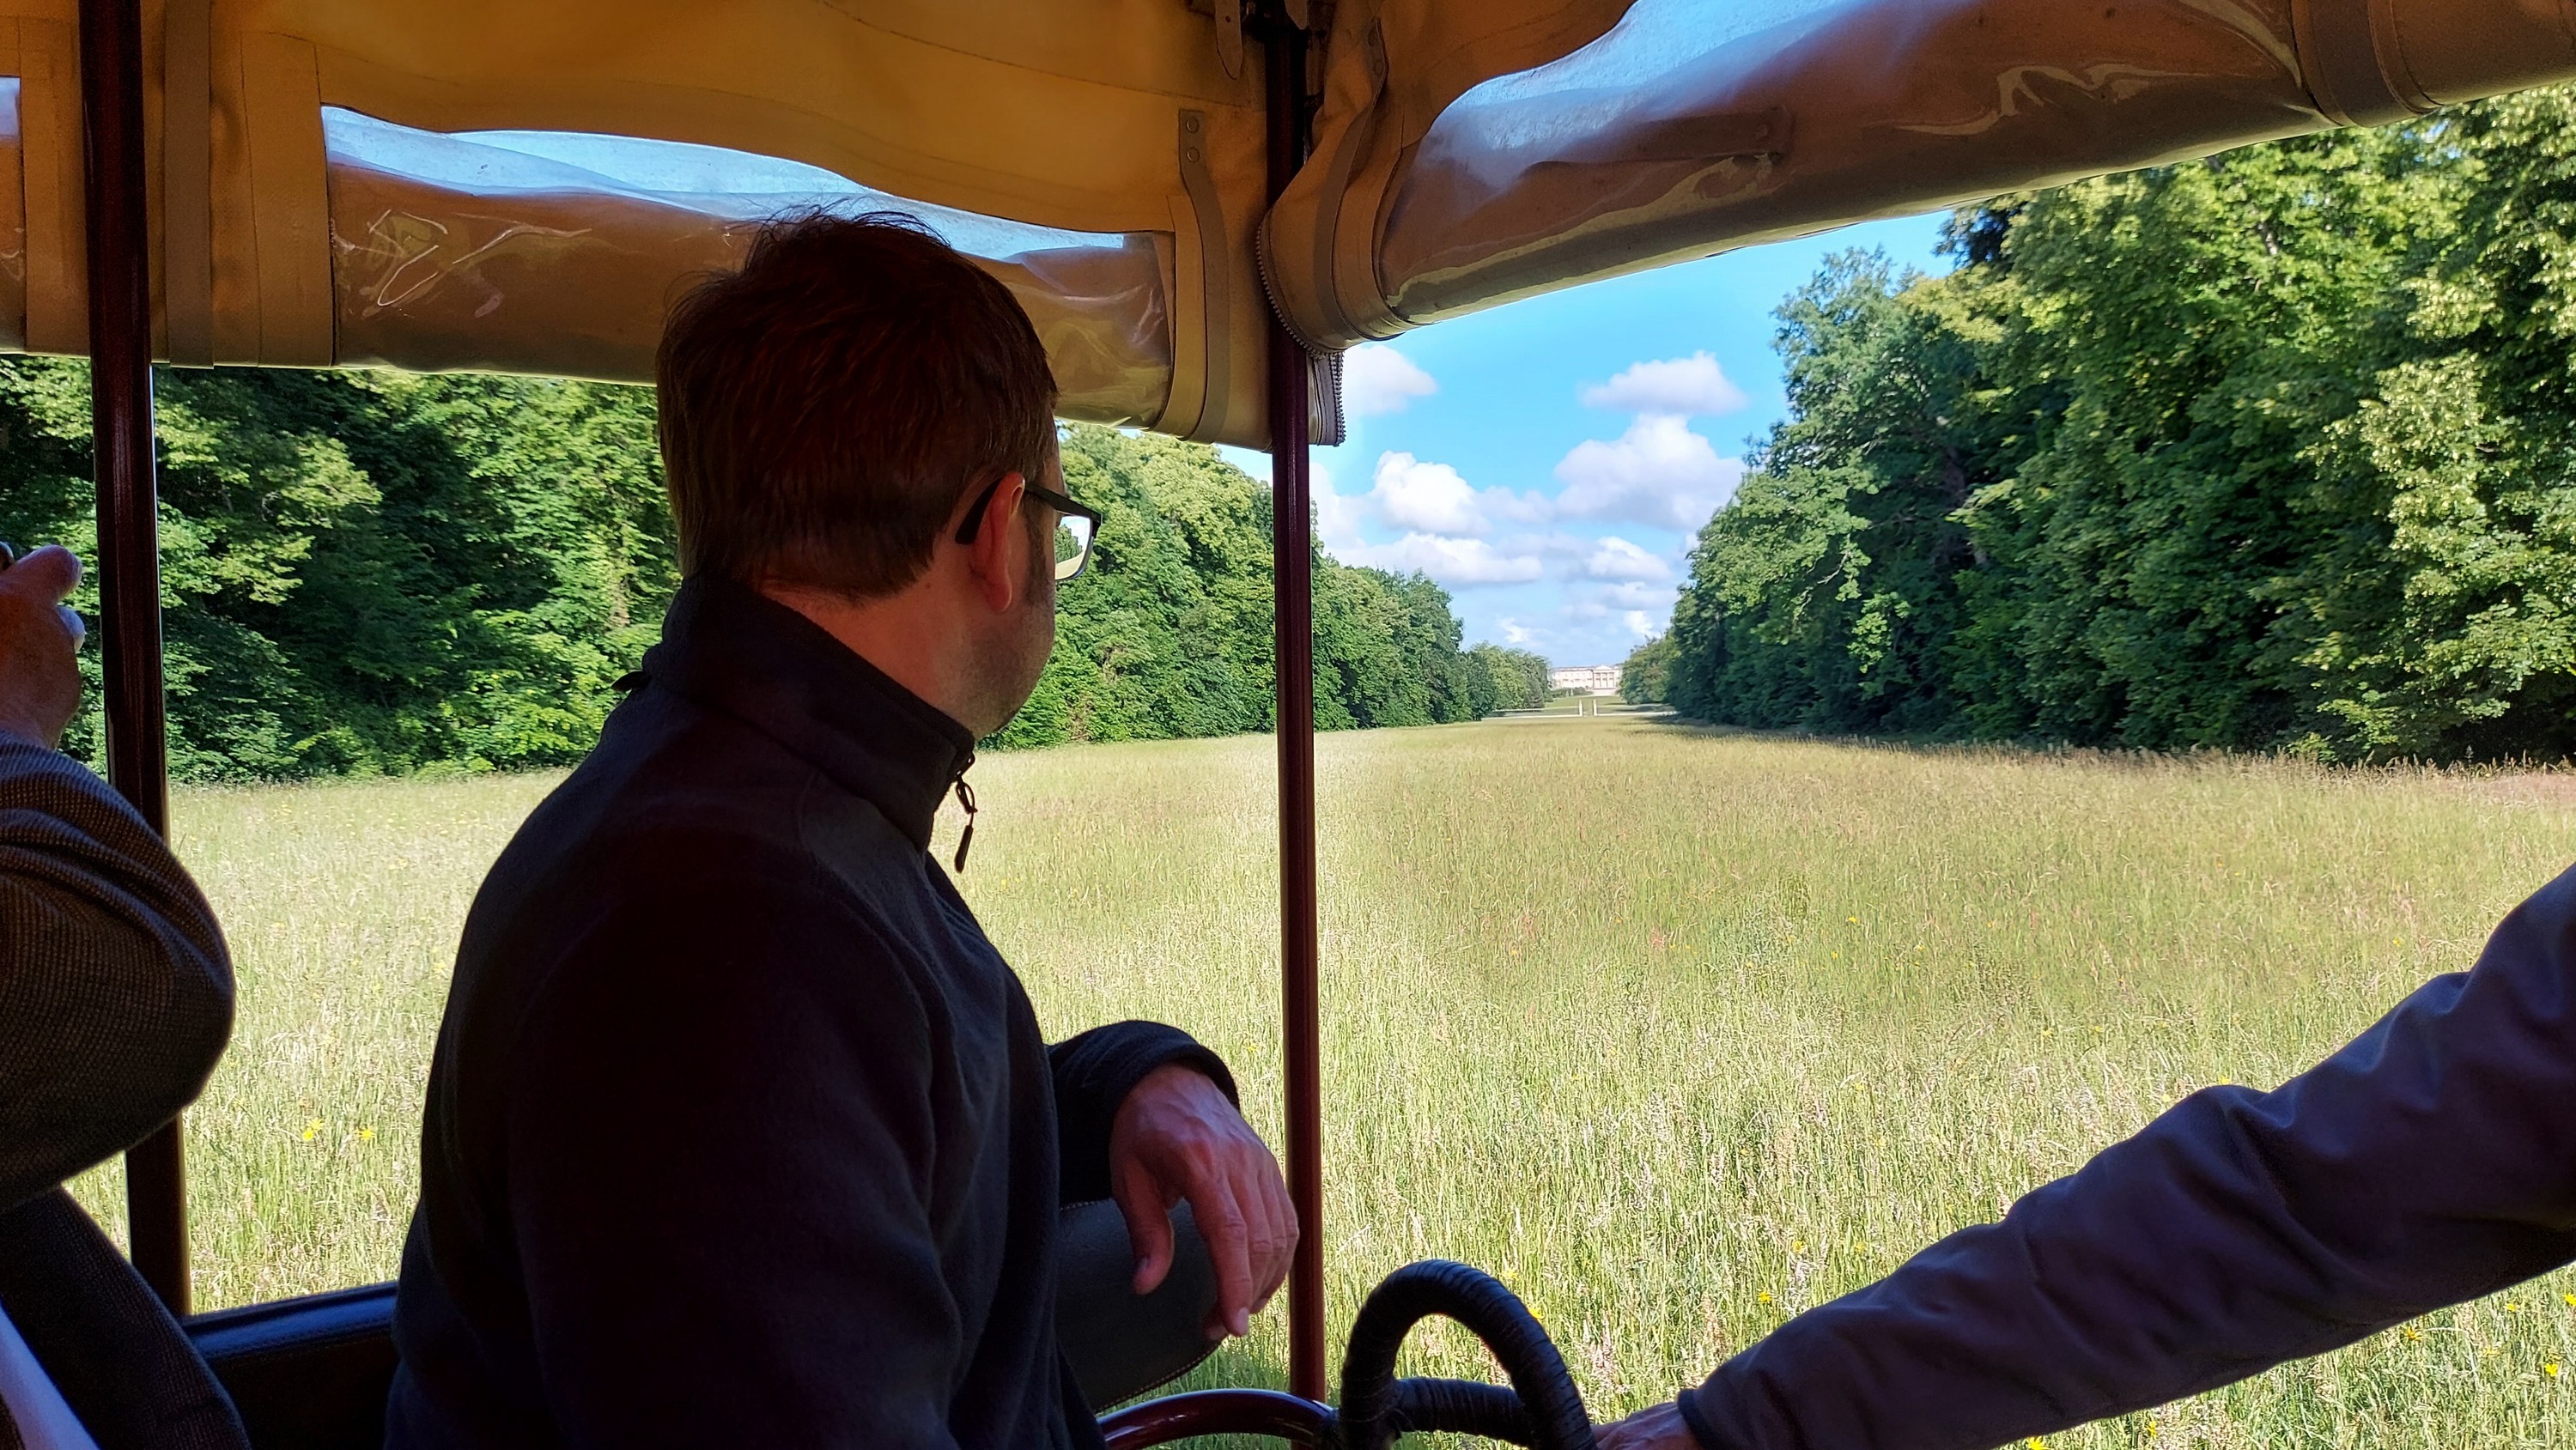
308	1373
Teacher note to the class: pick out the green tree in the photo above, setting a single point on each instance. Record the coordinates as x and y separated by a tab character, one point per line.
370	572
1502	678
2437	617
2262	451
1825	594
2199	326
1645	678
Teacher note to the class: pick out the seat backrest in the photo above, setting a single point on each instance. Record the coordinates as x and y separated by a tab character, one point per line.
120	1361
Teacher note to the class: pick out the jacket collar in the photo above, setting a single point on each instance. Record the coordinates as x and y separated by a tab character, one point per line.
733	650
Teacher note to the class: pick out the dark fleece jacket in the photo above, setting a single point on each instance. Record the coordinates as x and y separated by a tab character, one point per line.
739	1132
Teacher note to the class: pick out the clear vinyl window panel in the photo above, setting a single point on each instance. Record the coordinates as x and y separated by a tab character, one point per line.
1697	124
1510	119
560	252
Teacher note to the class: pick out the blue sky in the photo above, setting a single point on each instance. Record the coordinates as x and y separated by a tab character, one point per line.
1549	462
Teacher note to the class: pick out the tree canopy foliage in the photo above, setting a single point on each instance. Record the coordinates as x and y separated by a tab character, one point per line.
1170	633
2266	451
371	572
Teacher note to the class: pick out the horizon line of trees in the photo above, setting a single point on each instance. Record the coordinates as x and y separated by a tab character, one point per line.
370	572
2270	451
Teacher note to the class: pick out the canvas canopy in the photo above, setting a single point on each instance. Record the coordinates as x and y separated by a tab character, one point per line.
523	185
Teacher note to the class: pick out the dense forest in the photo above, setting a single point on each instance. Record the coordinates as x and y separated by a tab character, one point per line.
369	572
2268	451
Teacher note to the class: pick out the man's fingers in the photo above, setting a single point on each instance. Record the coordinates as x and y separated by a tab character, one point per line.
1279	1215
1264	1214
1149	1233
1259	1186
46	576
1229	1242
72	624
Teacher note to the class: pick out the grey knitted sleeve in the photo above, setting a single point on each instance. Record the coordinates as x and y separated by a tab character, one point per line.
116	995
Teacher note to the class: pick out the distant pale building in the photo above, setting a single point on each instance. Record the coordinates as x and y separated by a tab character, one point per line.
1590	679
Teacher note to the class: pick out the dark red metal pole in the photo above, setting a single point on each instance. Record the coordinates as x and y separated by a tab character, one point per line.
1293	600
129	556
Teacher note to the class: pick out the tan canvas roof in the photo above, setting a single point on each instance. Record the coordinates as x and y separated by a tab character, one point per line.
355	183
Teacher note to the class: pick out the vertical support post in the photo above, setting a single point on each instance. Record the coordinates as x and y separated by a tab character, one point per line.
129	557
1293	599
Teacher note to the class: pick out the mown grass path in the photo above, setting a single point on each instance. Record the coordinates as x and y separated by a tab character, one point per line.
1678	1032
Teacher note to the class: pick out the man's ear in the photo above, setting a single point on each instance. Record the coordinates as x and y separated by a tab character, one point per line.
996	559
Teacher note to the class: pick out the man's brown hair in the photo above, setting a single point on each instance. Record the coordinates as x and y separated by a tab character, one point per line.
824	408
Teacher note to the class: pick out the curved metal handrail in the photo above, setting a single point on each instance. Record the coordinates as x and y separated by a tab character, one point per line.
1281	1416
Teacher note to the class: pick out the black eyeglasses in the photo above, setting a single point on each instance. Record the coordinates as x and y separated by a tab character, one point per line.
1075	524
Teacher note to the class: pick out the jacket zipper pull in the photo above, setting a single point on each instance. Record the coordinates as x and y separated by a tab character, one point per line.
966	798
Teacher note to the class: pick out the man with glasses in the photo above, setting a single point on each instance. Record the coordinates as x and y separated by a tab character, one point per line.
739	1131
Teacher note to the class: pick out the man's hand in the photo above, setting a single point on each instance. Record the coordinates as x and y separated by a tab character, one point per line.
1178	1137
40	685
1659	1427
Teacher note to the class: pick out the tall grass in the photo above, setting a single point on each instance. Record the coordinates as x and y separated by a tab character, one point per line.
1679	1033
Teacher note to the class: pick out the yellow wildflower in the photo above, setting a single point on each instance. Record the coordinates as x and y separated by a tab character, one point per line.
2550	1369
1762	1298
366	1135
312	1130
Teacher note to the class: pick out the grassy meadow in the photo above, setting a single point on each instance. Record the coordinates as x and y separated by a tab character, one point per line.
1678	1032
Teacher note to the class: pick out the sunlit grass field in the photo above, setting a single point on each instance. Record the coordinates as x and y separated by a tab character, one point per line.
1678	1032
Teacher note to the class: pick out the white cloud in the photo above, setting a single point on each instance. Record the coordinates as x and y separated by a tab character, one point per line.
1626	602
1455	563
1639	625
1680	387
1616	558
1338	516
1376	380
1658	474
1431	498
1515	632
